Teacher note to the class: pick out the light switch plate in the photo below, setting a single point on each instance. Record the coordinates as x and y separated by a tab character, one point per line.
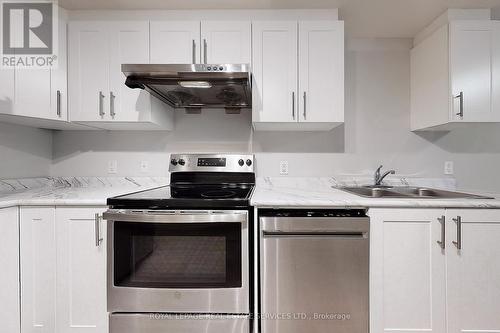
449	168
112	167
283	168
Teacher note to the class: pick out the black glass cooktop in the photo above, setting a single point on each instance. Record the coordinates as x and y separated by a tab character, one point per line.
187	196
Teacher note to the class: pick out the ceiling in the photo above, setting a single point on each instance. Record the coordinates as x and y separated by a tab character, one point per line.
363	18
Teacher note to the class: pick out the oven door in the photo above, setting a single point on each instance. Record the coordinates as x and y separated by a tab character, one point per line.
178	261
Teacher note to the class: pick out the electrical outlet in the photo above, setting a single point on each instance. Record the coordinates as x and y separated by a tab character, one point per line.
449	168
112	167
144	166
283	167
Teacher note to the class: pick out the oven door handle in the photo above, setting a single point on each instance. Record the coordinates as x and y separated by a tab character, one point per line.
174	216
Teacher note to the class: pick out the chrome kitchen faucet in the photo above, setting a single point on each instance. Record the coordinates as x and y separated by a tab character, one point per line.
378	178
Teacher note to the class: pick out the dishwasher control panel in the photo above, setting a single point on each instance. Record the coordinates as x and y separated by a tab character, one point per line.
278	212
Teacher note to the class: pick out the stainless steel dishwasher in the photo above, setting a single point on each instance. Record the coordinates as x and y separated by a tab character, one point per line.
314	267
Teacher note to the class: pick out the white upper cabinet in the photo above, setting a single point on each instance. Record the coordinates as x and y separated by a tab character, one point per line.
473	271
274	72
88	71
455	76
128	44
195	42
298	75
42	93
32	93
175	42
98	94
321	71
226	42
37	97
471	69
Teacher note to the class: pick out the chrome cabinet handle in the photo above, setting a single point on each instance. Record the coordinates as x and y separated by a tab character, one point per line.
293	105
458	242
194	51
97	229
101	104
441	242
305	103
112	104
205	47
58	103
461	97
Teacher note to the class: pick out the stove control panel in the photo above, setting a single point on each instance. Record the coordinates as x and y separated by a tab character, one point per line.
211	163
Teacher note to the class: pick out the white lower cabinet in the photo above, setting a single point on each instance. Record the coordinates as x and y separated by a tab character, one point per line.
407	271
63	280
473	272
416	285
38	269
9	278
81	271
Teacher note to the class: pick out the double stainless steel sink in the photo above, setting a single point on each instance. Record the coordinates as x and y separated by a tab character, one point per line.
408	192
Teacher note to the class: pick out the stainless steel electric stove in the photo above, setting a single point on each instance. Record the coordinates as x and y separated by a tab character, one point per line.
178	256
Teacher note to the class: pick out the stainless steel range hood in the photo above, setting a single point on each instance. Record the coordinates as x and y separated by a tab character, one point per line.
194	86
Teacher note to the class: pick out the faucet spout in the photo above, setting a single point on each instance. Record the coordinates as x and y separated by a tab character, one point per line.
378	178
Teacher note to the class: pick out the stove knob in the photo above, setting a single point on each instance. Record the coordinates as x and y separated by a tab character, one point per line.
173	161
241	162
249	162
181	162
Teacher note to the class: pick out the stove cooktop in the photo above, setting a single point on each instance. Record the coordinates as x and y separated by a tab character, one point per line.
206	181
186	196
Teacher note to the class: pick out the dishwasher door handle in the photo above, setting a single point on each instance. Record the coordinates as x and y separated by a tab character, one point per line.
315	234
314	225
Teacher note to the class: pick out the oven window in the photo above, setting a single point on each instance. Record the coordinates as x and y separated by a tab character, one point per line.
177	255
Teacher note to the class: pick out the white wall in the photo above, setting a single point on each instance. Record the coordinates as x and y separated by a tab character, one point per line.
24	151
376	132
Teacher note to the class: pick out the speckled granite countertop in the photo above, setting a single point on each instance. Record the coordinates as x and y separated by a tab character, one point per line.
77	191
324	192
269	192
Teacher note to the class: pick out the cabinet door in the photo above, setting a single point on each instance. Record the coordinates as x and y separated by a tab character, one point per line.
88	71
274	95
407	268
321	71
473	272
38	269
175	42
81	271
59	76
226	42
129	44
32	93
9	279
471	59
